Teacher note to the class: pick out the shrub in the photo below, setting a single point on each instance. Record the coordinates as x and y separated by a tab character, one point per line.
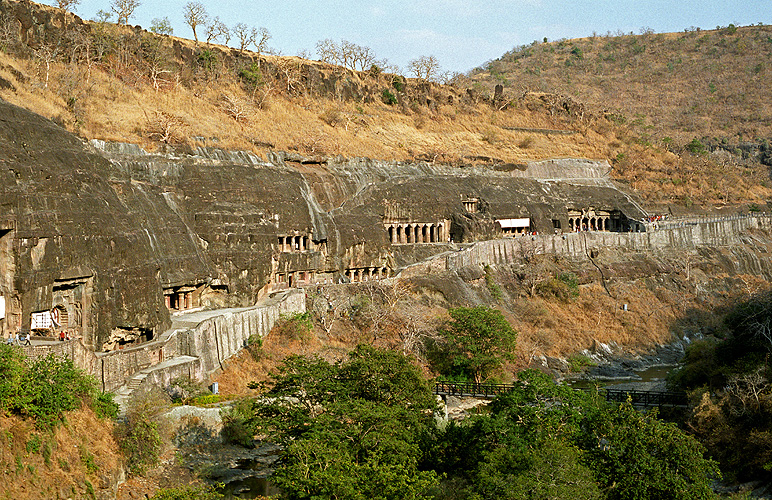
696	147
251	75
571	281
48	387
398	83
207	60
578	362
254	345
296	326
526	142
493	287
564	286
577	52
189	493
234	426
388	97
183	390
141	436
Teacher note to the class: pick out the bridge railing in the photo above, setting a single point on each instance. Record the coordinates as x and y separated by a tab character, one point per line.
641	399
471	389
647	398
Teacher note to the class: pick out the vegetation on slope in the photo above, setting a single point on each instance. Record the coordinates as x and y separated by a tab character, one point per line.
364	428
118	83
55	435
728	374
686	93
671	88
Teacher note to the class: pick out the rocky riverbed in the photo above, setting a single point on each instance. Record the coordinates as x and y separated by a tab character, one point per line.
201	448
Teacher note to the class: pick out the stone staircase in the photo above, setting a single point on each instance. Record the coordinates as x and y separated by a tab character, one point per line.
153	373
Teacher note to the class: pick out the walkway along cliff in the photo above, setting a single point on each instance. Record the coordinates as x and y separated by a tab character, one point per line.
117	246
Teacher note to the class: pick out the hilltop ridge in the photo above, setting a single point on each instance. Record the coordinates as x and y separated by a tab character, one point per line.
122	83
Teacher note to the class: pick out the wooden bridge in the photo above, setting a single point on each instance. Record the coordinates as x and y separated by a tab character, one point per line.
639	399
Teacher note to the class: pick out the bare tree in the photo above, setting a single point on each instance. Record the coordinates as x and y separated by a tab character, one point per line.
124	9
260	39
165	127
327	50
290	74
47	52
195	15
155	60
67	5
346	54
363	58
9	31
245	35
216	30
425	68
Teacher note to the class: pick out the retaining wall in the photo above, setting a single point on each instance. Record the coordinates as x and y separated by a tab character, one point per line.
682	234
211	341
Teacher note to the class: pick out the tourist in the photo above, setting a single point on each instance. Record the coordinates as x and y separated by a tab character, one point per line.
61	336
25	340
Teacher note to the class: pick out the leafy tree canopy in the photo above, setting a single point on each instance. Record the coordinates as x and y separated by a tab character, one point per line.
45	388
544	440
351	429
477	340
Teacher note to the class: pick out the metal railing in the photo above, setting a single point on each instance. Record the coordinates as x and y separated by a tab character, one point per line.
639	399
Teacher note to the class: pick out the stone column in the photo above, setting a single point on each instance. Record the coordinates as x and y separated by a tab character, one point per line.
168	300
181	301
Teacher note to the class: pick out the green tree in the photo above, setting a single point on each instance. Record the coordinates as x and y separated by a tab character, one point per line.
544	440
637	456
551	470
351	429
161	26
476	343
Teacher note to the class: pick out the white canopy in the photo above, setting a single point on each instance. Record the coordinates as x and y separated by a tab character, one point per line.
510	223
41	320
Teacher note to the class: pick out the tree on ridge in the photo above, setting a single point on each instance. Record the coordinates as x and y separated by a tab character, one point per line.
124	9
195	15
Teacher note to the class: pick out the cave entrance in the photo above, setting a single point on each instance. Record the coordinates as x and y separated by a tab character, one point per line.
71	301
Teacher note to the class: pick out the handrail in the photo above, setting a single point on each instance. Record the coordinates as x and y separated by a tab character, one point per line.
637	398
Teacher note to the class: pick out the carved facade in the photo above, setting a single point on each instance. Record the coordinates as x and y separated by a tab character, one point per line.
592	219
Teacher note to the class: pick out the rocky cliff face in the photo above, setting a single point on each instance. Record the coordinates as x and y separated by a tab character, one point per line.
82	235
115	238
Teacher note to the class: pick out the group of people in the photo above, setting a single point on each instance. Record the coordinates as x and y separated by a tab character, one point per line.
18	339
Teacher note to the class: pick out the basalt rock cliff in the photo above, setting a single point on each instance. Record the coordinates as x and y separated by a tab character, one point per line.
108	240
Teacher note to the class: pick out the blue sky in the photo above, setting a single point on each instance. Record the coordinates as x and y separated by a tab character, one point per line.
462	34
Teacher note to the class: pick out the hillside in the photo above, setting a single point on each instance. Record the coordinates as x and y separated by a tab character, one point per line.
690	92
119	83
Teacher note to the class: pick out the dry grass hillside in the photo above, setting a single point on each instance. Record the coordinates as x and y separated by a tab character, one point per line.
121	83
689	93
77	460
670	87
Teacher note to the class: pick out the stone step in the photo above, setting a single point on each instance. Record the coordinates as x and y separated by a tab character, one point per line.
123	394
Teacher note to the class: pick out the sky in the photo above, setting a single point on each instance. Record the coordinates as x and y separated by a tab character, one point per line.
461	34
